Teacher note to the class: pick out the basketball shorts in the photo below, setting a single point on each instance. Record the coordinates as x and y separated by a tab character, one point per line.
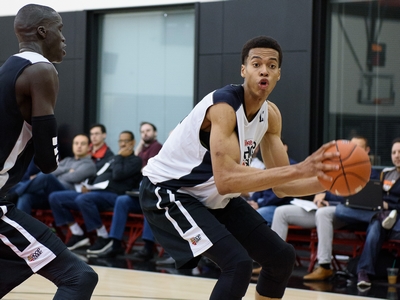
26	246
186	228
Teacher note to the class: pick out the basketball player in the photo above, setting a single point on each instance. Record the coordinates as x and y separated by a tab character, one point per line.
28	92
190	192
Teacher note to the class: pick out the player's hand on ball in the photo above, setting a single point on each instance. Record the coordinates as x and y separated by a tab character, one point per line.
314	166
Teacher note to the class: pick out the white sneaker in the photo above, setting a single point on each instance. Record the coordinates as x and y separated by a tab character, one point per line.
167	261
390	220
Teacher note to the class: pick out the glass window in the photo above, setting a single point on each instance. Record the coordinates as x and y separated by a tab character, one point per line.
146	71
363	95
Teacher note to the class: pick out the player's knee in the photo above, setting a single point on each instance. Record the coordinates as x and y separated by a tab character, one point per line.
245	266
288	259
88	279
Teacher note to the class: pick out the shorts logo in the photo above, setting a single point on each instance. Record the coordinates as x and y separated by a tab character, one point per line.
195	240
35	255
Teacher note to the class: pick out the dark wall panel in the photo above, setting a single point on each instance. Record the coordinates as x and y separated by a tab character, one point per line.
287	21
211	28
9	42
70	108
210	73
290	23
292	96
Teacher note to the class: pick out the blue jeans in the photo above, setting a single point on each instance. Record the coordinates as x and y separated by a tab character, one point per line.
34	193
376	235
267	212
89	204
354	215
27	202
124	205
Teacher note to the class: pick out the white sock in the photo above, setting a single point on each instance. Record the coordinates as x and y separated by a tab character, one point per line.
76	229
102	232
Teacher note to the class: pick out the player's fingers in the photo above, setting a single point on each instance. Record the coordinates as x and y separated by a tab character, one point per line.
324	176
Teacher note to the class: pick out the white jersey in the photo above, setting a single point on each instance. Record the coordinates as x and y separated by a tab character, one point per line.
184	163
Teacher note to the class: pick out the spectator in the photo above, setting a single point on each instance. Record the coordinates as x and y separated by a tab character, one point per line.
99	150
265	202
71	170
381	223
148	145
30	173
125	204
323	219
122	173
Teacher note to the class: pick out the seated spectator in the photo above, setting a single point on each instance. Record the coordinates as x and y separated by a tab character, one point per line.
125	204
34	193
99	150
122	173
30	173
380	223
265	202
148	145
323	219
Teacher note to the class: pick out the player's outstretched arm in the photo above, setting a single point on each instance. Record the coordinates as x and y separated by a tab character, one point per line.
232	177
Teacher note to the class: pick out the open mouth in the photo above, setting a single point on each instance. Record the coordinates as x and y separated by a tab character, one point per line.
263	83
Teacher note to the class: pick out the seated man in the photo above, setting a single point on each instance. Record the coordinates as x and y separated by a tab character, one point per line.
124	204
99	150
265	202
30	173
323	219
380	223
122	173
71	170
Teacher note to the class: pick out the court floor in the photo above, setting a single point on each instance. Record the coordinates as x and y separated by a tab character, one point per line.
116	283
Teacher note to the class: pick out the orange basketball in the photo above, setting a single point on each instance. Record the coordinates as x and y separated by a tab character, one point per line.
354	169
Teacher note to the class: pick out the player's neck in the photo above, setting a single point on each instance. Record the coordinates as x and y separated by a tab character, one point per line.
29	46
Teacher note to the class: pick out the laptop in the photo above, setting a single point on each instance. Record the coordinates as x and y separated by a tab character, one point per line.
369	198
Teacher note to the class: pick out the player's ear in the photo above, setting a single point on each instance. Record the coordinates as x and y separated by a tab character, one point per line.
41	31
243	71
279	76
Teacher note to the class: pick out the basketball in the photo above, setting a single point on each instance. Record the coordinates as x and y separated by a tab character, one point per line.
354	169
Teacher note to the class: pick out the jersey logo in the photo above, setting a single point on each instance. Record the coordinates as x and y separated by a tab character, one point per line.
262	116
194	240
34	256
249	146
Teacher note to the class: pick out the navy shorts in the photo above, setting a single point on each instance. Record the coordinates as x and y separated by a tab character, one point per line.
186	228
26	246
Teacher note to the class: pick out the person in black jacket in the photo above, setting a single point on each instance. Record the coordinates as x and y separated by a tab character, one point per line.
122	173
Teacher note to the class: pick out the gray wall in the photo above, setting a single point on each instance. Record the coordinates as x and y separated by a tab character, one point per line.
223	29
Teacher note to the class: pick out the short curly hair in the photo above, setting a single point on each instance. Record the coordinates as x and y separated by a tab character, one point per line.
261	42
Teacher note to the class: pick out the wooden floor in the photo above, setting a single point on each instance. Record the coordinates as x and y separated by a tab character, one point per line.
140	285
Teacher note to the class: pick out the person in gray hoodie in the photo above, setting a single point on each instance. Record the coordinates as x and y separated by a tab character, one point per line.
34	193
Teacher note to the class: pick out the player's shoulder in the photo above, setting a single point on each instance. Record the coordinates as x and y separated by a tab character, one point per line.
39	65
233	94
33	57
